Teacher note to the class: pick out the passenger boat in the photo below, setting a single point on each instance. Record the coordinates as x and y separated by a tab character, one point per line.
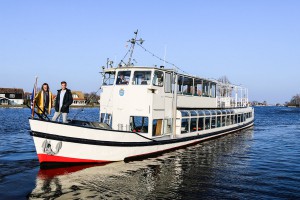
145	111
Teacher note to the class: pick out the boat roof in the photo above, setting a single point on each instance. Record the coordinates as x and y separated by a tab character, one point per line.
157	68
113	69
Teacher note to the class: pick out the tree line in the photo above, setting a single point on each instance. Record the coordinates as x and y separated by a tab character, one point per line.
295	101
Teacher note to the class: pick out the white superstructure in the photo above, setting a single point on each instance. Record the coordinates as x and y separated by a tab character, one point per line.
148	96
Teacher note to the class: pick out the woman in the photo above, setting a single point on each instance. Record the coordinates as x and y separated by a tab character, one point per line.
44	100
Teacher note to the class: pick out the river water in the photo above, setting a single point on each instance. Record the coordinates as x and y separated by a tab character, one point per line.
262	162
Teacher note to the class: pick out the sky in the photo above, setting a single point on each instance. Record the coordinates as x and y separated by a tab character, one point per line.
255	43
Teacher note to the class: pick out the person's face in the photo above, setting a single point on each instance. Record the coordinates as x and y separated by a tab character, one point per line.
63	86
121	77
45	87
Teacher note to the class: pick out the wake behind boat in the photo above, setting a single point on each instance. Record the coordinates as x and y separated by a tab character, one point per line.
145	111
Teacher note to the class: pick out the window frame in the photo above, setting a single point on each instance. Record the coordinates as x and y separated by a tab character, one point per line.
139	71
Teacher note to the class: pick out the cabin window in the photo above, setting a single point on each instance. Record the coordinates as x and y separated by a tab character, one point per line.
200	124
207	122
218	121
228	120
184	125
213	90
139	124
157	127
198	87
168	83
193	125
179	85
187	86
106	118
184	113
193	113
223	120
141	78
158	79
213	122
123	77
206	91
233	119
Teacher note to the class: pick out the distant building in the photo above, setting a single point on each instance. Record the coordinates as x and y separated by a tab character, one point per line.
11	96
78	98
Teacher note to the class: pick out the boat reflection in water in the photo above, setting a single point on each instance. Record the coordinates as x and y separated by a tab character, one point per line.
190	172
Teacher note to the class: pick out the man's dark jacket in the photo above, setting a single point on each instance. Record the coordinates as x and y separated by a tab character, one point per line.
68	100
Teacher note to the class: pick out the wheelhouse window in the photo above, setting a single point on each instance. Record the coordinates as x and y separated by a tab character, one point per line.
123	77
109	78
158	78
141	78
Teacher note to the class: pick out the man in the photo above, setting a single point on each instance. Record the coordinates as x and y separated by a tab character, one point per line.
121	80
63	101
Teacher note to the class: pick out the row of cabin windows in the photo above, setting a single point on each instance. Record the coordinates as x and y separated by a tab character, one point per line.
210	122
185	85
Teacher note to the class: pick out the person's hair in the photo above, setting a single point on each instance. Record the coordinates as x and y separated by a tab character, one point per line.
47	86
63	82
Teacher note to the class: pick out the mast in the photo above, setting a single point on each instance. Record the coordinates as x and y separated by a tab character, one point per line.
133	41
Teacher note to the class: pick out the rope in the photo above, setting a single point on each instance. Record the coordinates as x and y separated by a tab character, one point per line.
154	55
122	61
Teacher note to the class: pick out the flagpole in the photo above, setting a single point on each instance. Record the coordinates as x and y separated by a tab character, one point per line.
34	93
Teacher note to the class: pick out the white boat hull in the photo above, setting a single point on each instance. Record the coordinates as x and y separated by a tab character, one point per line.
62	143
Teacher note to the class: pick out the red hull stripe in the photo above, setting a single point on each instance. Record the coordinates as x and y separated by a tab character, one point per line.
61	159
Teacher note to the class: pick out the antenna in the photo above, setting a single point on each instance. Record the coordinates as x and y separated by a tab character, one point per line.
165	55
133	41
